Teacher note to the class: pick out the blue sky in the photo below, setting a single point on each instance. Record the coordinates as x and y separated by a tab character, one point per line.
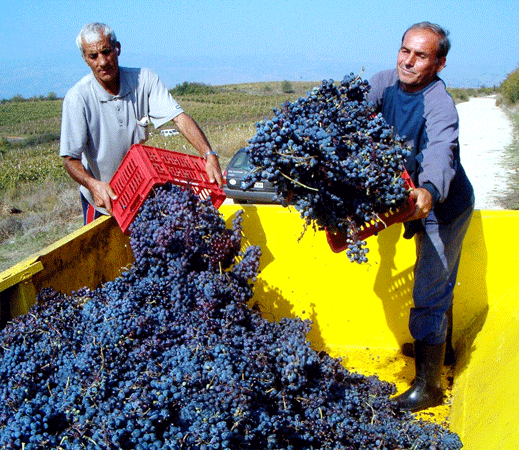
229	41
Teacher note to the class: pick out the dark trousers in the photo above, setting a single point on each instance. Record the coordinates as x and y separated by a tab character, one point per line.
438	252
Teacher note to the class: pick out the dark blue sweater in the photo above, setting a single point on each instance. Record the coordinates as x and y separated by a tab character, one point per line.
428	121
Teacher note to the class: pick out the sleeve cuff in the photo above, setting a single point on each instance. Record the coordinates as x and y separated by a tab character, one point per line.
433	191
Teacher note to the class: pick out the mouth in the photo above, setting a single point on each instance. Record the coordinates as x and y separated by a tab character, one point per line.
408	71
104	73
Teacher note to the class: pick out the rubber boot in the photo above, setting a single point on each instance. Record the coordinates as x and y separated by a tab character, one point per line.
426	390
450	357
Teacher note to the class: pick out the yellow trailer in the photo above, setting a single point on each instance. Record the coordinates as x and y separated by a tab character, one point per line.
359	312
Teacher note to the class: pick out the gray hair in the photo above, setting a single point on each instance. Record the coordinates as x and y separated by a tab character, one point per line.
93	32
444	44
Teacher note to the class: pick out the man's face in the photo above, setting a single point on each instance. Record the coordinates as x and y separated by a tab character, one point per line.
103	59
417	64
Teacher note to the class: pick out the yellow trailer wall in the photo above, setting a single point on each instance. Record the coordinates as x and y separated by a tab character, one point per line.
359	312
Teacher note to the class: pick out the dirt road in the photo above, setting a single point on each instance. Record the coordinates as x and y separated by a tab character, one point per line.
485	132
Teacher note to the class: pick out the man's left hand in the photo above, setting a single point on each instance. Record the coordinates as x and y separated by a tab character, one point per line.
212	167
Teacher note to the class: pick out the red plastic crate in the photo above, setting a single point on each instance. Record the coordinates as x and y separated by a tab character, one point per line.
145	167
338	241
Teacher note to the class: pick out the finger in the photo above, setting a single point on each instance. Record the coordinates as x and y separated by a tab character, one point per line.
108	206
111	193
215	175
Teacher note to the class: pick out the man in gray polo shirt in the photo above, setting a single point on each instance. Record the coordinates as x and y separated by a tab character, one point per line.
108	111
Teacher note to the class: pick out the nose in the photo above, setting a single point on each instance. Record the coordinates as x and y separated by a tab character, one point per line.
409	60
102	60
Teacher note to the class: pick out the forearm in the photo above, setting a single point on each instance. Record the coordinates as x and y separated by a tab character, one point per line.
193	133
196	137
77	172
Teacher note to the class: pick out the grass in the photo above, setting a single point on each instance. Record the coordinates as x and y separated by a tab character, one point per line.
49	210
33	180
510	199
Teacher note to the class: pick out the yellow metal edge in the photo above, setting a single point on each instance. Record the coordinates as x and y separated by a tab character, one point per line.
20	273
32	264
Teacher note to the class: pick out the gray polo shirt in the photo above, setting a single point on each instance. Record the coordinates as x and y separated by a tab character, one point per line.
99	128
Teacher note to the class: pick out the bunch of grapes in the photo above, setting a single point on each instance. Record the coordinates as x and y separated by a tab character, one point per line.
169	355
332	158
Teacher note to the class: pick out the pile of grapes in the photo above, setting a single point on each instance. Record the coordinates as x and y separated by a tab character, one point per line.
170	356
332	157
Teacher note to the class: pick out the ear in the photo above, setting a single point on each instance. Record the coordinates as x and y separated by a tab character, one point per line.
118	48
441	64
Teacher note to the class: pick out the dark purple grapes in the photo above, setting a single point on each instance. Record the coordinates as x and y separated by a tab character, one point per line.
172	355
333	158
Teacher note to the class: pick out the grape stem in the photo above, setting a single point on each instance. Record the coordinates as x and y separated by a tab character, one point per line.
379	218
372	411
296	157
299	183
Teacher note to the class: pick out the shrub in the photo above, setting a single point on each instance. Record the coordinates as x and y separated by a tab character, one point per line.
286	87
192	88
509	88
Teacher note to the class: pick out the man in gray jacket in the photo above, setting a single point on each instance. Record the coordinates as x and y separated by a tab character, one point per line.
414	100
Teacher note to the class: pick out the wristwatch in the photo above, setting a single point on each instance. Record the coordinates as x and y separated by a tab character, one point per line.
210	152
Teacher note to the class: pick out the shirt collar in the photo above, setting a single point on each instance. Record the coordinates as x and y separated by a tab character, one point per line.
104	95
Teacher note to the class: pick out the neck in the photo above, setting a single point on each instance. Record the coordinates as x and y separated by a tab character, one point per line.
114	86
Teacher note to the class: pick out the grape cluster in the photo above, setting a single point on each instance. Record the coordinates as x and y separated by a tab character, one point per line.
173	355
333	158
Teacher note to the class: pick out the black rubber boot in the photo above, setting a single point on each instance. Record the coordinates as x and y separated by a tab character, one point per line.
426	390
450	357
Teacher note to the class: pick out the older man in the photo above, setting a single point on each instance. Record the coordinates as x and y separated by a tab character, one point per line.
108	111
415	101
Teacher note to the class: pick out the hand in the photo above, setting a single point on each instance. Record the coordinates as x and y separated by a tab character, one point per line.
101	191
423	203
212	167
103	195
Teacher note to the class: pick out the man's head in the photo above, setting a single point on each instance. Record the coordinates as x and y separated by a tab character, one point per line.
100	50
422	55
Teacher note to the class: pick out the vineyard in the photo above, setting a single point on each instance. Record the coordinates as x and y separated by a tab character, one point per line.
30	118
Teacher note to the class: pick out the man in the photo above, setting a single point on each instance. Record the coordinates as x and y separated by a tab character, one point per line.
414	100
108	111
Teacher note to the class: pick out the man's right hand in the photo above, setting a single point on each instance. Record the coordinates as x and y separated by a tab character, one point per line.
103	194
101	191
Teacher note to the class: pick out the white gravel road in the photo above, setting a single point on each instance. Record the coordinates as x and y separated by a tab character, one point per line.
485	132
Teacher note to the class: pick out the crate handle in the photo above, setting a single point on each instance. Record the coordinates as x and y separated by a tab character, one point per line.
136	203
